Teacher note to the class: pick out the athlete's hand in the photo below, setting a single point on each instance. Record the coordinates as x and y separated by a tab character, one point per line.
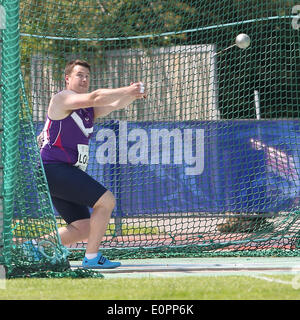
138	89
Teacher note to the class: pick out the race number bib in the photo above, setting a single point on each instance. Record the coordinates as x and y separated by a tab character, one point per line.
83	156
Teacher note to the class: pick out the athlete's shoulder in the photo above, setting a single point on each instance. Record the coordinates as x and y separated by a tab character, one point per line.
56	110
62	94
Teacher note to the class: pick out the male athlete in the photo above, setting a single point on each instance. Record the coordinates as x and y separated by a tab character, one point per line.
64	153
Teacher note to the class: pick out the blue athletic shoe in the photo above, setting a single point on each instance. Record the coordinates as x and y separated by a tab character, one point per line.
99	262
31	251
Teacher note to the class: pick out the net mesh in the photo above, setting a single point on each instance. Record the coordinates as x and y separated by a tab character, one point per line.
208	164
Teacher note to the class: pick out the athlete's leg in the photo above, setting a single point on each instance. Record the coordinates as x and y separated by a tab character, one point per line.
77	218
70	184
100	217
74	232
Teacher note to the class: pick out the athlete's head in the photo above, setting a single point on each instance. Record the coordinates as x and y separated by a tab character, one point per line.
77	76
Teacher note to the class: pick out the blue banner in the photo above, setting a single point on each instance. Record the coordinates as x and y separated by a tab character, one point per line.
210	167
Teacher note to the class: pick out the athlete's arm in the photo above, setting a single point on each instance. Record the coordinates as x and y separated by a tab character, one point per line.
70	100
122	102
117	105
106	99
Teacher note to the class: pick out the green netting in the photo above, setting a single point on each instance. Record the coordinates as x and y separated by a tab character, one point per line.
205	96
27	211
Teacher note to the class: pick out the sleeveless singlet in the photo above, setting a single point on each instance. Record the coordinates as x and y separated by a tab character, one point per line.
66	140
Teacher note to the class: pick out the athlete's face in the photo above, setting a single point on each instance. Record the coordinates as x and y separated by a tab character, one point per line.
78	80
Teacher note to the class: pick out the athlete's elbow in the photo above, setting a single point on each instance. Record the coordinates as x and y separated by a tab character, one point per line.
94	98
98	98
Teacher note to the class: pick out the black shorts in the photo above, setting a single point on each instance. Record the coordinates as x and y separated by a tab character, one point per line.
72	191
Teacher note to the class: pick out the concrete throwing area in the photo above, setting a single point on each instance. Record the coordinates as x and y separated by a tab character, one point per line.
166	267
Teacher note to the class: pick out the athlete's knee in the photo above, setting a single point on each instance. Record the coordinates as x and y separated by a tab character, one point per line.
107	200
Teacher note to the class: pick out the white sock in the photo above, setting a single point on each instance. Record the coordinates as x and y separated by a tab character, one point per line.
91	255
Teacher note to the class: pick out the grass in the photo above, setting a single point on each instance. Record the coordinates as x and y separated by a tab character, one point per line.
127	230
23	228
175	288
149	288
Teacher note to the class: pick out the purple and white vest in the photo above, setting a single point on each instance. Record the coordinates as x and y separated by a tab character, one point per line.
67	140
